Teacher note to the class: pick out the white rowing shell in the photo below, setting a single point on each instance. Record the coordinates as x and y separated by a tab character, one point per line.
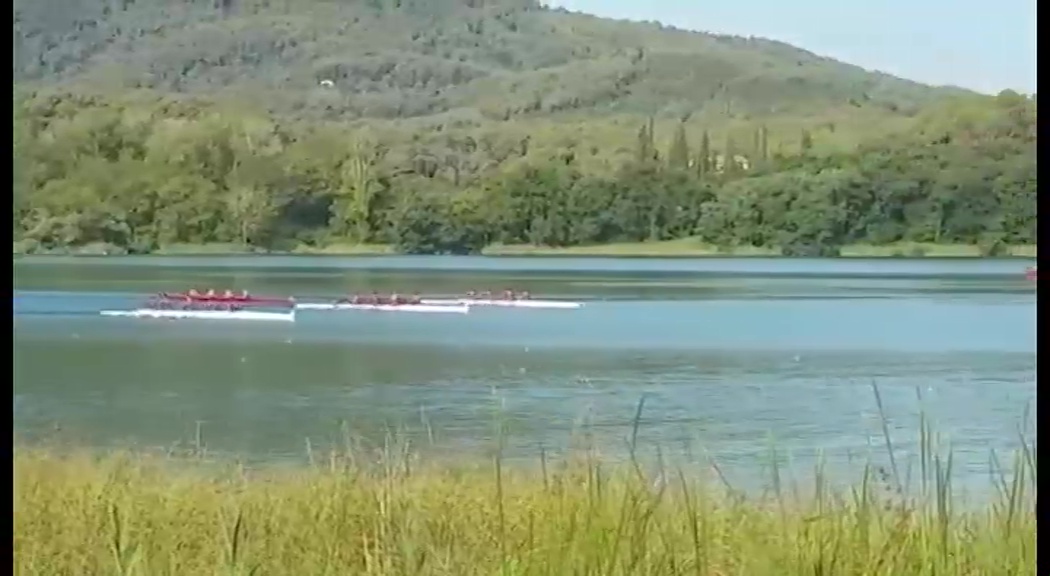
425	308
506	303
202	314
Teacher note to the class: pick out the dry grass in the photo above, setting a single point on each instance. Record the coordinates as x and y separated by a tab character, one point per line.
132	514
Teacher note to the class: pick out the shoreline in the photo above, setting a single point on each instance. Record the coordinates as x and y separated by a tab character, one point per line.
685	248
692	249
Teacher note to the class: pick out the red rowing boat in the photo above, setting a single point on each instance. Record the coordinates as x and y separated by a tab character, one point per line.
238	299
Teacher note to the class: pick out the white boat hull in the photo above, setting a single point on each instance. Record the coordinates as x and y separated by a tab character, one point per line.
202	314
423	308
556	304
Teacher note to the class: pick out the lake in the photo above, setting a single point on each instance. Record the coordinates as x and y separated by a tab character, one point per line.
735	358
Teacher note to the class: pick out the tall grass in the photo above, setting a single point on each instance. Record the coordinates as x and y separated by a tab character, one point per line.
135	514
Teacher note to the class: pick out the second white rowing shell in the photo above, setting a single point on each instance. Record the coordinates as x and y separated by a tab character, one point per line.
425	308
506	303
202	314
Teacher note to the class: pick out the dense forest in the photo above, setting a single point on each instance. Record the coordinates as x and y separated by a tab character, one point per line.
450	125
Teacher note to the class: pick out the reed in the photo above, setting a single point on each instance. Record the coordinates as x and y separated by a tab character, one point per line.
82	514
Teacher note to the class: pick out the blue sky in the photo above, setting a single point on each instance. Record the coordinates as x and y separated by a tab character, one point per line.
984	46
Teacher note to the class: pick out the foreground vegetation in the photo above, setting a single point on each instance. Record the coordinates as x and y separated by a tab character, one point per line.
450	126
77	514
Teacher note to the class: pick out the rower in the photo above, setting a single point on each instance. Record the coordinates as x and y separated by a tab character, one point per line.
376	298
193	293
416	298
355	299
395	299
227	295
210	294
524	295
486	295
472	294
508	294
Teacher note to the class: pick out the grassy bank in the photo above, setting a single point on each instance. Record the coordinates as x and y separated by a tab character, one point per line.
76	514
685	247
691	247
682	248
916	249
346	249
334	249
215	249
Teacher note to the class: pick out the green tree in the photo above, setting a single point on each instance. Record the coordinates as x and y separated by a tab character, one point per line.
357	192
678	153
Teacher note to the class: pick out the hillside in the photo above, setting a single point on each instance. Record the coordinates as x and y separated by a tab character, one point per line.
493	59
449	125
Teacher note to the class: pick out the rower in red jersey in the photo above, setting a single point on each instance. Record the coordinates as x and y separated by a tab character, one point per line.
190	298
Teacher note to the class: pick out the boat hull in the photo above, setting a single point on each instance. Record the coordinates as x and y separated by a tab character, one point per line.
202	314
421	308
553	304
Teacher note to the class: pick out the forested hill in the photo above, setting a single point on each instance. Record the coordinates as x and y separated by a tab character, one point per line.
411	58
447	125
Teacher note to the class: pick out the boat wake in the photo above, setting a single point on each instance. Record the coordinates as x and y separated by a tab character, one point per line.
554	304
202	314
422	308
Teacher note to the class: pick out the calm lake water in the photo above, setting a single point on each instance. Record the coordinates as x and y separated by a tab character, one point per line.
733	357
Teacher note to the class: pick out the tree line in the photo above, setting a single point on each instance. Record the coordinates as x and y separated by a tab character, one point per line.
140	178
